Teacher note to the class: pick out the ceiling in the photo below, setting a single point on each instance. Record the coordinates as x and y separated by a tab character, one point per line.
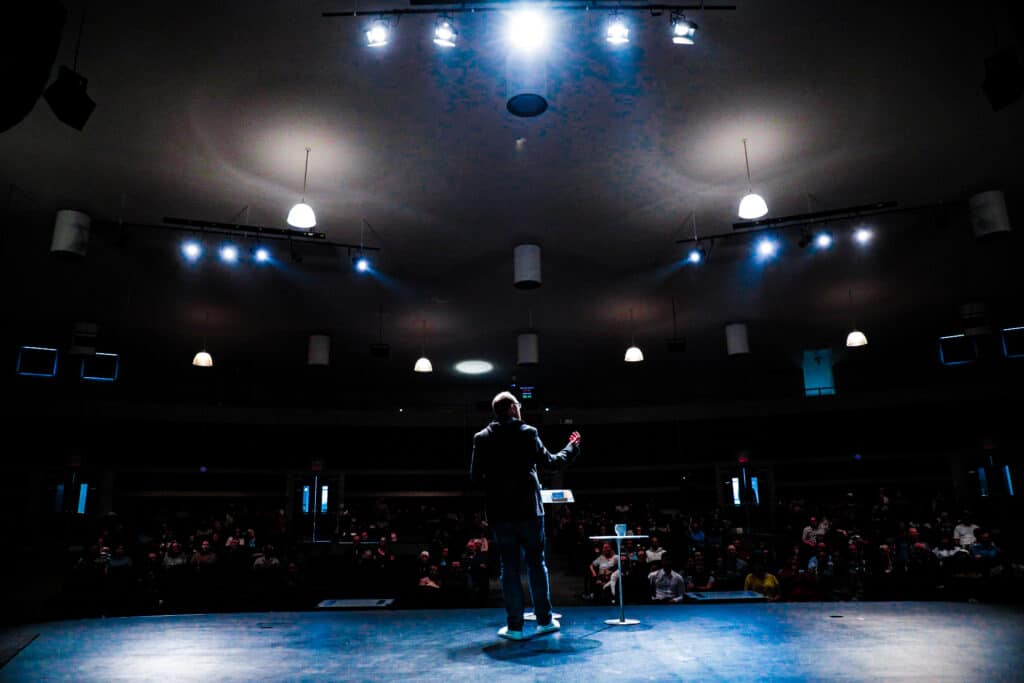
204	111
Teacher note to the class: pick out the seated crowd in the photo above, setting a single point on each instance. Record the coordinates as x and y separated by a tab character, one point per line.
427	556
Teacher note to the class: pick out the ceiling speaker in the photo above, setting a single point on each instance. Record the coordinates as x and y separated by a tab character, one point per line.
68	99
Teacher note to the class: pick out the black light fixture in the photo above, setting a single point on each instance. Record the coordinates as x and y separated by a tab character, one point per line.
66	95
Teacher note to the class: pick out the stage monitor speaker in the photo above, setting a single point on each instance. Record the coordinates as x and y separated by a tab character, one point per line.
29	38
1004	79
68	99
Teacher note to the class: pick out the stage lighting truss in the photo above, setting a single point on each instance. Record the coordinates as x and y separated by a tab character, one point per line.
379	31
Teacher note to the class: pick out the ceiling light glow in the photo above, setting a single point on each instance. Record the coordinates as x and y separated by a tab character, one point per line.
527	30
823	240
262	255
473	367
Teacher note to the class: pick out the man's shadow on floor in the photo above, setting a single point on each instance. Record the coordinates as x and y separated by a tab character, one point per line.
549	650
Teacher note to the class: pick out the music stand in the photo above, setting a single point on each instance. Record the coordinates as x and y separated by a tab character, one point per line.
622	620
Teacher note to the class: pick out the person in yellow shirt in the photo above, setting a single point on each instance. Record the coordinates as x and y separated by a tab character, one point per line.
760	581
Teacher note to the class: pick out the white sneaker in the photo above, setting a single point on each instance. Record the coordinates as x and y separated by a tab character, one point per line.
504	632
549	628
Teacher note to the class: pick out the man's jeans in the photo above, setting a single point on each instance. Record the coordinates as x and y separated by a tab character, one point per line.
514	540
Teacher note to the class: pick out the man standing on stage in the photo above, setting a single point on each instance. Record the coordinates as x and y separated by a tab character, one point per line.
506	454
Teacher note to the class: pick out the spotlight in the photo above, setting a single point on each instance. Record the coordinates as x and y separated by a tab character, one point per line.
445	34
527	29
261	254
361	263
863	236
229	253
696	255
767	248
191	250
823	240
378	33
683	30
617	32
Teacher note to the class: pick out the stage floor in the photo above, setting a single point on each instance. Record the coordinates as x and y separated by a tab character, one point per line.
816	641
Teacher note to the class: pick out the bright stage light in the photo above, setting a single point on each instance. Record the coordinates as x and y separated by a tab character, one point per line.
617	32
683	31
527	29
445	34
191	250
262	255
229	253
767	248
695	256
473	367
361	264
823	240
378	33
863	236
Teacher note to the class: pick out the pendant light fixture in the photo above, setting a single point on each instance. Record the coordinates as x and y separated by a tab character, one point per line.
423	364
856	337
633	353
301	216
752	205
203	359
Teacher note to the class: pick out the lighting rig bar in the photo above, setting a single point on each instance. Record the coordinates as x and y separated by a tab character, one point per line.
271	233
782	222
491	6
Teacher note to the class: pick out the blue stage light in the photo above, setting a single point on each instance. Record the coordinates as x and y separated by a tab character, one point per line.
767	248
361	264
695	256
863	236
229	253
617	32
823	240
262	255
192	250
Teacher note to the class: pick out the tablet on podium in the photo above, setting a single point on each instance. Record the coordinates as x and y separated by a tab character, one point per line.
556	496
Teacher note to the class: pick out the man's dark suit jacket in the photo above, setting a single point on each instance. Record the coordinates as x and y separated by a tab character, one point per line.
505	459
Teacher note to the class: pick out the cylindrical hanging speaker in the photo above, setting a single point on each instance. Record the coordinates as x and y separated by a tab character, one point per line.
526	88
71	232
527	349
988	213
527	266
736	342
319	349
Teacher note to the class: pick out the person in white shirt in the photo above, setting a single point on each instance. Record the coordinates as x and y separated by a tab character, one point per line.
963	533
655	552
603	568
666	585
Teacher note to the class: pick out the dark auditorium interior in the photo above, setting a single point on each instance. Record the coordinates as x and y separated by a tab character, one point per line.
267	264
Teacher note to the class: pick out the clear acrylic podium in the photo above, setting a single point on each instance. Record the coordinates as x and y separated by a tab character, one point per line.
619	538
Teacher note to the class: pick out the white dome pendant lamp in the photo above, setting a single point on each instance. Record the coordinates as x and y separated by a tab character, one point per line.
423	364
855	338
301	216
752	205
633	353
